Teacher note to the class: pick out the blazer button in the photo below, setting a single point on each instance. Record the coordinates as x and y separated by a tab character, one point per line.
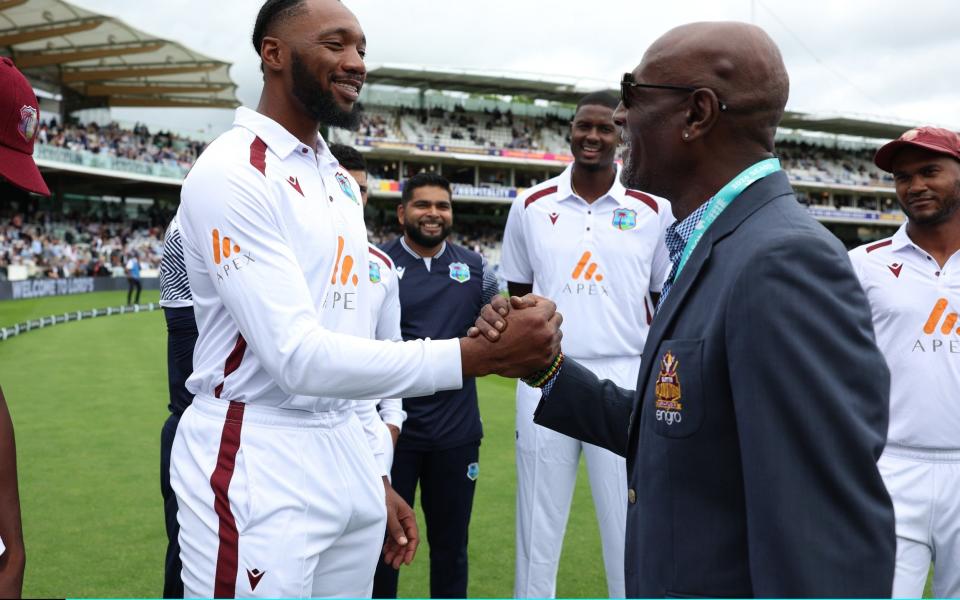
632	496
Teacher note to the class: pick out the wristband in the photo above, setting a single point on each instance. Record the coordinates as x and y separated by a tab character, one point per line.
540	378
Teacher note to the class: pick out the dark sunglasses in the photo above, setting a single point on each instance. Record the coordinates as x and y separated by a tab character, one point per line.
627	83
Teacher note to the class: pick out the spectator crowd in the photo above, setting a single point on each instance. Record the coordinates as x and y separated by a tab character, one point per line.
66	247
133	144
49	246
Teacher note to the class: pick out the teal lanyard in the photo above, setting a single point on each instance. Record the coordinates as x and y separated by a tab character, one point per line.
722	200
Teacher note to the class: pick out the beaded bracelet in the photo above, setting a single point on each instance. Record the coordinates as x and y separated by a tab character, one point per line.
540	378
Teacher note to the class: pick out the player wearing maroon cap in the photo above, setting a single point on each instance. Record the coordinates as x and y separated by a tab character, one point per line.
913	283
19	116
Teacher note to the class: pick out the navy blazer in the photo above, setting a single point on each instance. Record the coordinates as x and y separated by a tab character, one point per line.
761	411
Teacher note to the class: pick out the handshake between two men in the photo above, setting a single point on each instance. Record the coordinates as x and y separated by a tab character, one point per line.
515	338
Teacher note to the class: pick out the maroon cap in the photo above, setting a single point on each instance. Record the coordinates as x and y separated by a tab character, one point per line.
934	139
19	121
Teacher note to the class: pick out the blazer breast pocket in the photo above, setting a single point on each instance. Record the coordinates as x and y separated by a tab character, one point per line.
677	397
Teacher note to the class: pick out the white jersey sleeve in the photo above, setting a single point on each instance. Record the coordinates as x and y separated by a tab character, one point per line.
515	263
267	297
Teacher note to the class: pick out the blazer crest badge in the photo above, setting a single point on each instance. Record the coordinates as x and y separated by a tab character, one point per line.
667	390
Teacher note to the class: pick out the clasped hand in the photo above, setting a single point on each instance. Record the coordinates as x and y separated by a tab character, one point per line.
514	338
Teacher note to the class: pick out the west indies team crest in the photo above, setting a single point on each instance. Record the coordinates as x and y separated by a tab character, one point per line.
459	272
668	384
374	272
624	218
29	119
346	187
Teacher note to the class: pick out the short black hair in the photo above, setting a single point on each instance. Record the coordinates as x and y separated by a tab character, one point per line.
424	179
271	12
599	99
348	157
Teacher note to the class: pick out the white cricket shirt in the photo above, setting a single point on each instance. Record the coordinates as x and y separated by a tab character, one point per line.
915	306
385	310
276	254
598	262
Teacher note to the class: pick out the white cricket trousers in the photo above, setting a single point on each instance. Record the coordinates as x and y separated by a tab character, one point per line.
275	503
546	475
925	488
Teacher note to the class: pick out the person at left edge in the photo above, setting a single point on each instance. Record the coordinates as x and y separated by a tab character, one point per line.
279	493
442	288
19	176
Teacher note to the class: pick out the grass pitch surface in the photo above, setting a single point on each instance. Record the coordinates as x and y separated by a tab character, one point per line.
88	400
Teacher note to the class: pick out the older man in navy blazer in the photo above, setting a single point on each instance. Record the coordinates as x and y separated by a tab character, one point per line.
762	402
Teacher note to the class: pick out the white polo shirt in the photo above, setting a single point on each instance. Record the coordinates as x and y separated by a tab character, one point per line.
276	255
915	306
598	262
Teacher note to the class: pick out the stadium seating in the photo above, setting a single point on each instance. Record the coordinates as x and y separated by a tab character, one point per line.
37	247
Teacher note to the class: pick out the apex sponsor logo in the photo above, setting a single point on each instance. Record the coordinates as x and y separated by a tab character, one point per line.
934	319
939	323
344	281
586	278
586	268
344	265
228	257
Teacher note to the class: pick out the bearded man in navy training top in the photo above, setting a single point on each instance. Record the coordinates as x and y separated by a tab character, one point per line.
442	287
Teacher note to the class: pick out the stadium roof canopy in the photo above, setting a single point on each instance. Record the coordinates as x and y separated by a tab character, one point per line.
570	90
844	125
98	61
474	81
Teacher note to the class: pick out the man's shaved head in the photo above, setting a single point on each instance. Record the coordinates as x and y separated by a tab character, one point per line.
706	99
738	61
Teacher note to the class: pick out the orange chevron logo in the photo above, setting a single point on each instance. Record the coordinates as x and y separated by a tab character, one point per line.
344	266
587	269
949	320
